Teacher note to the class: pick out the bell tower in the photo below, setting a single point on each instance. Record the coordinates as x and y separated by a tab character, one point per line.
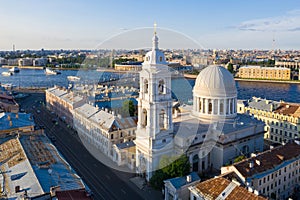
154	136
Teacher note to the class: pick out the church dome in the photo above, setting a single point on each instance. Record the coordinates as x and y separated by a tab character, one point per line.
215	95
215	81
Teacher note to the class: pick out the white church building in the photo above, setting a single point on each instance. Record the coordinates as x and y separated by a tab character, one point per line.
210	132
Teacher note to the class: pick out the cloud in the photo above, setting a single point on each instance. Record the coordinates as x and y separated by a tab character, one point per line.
288	22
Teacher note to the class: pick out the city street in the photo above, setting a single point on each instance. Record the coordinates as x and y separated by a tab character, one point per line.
104	182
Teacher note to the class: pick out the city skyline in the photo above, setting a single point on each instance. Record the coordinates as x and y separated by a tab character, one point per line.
86	25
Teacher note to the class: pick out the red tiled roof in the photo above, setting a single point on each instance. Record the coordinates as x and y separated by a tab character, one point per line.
214	187
268	160
288	109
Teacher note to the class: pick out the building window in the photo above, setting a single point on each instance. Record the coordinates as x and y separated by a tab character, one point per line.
146	85
144	118
121	134
162	119
161	87
164	141
112	136
160	59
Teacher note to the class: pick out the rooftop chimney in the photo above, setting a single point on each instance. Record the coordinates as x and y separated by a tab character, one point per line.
257	162
188	178
251	164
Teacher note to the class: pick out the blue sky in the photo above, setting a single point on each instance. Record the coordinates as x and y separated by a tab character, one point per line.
67	24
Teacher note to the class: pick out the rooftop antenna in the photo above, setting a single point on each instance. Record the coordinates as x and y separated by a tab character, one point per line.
14	49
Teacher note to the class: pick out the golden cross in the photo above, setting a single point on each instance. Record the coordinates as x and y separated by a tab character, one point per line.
155	28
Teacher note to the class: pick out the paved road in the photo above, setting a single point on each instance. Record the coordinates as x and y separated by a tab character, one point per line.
104	182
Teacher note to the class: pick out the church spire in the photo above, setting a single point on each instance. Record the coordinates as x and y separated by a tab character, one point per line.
155	38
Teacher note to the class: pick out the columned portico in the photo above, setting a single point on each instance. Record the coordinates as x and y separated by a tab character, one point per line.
214	95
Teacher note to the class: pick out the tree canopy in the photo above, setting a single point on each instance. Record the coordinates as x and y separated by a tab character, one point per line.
170	167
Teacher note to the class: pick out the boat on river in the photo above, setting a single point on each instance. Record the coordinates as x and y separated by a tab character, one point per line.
49	71
14	69
73	78
7	73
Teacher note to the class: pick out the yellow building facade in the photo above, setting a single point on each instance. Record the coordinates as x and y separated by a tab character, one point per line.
282	120
257	72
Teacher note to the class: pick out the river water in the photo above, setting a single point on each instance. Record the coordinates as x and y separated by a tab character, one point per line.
182	88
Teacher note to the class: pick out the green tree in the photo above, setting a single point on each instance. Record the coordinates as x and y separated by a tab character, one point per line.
157	180
170	167
230	67
128	108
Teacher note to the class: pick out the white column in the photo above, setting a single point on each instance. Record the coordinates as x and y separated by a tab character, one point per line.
206	106
195	103
213	106
202	105
198	101
219	102
225	106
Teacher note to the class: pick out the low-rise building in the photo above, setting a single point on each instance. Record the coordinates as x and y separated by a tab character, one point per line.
282	119
25	62
33	168
103	129
274	173
177	188
15	123
287	64
221	188
3	61
63	103
8	104
39	62
129	66
258	72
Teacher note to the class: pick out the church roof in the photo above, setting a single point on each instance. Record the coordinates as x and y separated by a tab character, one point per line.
215	81
195	131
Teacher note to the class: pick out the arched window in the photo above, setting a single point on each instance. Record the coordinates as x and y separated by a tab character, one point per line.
161	87
162	120
160	59
144	118
146	85
209	108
